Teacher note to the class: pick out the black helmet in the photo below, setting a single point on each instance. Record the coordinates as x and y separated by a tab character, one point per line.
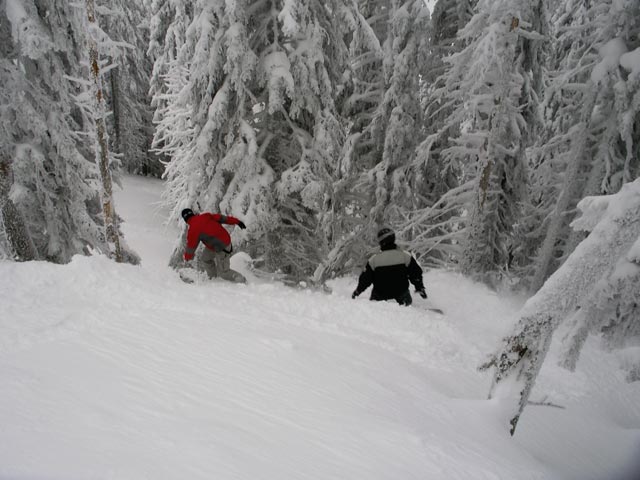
187	213
386	236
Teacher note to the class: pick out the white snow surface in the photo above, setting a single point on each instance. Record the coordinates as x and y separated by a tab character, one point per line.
122	372
610	54
631	61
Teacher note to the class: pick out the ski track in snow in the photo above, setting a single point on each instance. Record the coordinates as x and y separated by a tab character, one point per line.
117	371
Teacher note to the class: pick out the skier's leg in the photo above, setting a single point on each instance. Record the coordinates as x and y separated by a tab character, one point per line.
227	273
221	264
225	262
208	261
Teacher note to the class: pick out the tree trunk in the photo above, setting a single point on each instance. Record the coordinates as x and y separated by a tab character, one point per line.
102	148
117	110
18	236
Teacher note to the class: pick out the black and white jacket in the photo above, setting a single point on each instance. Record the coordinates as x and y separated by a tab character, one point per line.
390	271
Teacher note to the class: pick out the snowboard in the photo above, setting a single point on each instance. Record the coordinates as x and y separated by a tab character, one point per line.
191	276
428	306
436	310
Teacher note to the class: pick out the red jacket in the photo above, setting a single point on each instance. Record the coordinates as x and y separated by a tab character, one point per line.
207	228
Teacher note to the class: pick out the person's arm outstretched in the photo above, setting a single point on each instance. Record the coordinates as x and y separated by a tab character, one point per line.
365	279
415	277
227	219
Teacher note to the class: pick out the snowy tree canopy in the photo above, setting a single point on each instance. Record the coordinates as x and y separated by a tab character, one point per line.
53	174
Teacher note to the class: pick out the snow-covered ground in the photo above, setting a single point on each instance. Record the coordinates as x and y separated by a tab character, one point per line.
121	372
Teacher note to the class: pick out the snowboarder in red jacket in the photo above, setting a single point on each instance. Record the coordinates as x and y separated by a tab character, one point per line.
207	228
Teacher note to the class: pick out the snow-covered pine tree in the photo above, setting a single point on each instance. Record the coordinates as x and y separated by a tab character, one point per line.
211	96
174	131
313	36
614	307
167	33
432	227
397	121
385	121
491	78
591	134
613	310
364	82
359	94
265	137
15	240
619	311
52	173
594	286
127	86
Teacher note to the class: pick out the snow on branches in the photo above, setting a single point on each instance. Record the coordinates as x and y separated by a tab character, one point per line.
597	288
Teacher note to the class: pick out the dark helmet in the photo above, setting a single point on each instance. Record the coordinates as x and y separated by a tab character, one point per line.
187	213
386	236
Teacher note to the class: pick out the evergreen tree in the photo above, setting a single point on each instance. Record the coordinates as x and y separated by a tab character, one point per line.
613	306
257	79
591	124
387	62
432	226
360	93
594	286
397	121
127	86
52	174
490	83
167	33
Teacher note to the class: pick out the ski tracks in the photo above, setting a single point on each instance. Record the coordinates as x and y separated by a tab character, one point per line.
91	293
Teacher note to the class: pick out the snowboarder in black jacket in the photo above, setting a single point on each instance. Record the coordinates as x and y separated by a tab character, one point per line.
390	271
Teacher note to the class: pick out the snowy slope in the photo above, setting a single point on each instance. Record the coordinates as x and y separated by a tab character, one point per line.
121	372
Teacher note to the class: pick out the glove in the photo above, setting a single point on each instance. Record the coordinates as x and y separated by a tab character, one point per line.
355	294
241	225
422	293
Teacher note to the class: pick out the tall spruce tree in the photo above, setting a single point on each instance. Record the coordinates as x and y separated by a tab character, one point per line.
591	124
359	92
127	87
385	121
397	121
439	191
50	166
490	81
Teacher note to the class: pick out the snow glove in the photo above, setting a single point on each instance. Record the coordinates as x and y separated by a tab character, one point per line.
355	293
422	293
241	225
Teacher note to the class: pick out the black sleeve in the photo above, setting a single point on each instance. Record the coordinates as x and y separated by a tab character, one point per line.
366	279
415	274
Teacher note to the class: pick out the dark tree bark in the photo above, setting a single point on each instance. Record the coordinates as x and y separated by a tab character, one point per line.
17	233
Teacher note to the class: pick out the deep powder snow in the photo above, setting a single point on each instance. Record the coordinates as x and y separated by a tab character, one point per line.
121	372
